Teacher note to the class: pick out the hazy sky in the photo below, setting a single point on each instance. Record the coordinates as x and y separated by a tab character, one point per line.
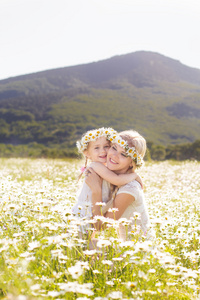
37	35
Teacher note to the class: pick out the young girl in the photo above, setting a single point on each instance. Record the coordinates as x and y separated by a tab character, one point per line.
94	145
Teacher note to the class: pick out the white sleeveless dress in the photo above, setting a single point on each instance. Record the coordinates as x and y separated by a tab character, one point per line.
83	207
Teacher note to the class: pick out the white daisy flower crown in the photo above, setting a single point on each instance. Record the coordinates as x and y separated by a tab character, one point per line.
93	135
130	151
112	136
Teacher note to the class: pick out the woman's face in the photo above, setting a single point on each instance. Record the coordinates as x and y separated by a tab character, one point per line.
117	159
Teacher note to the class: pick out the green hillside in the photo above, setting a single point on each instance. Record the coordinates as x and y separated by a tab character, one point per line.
156	95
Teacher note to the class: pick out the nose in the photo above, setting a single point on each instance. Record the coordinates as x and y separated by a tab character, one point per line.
112	152
103	150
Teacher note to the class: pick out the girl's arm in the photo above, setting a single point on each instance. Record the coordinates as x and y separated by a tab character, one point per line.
116	179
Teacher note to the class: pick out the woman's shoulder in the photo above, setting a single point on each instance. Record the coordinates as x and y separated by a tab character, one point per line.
131	185
130	188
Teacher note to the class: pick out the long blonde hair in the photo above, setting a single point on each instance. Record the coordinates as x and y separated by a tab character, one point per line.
134	139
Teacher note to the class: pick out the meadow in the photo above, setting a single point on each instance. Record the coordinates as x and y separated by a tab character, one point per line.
43	257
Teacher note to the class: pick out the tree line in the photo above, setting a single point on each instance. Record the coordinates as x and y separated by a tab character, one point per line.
155	152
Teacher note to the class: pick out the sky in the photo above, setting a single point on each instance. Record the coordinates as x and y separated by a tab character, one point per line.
38	35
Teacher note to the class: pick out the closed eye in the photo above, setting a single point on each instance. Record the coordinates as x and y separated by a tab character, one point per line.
124	154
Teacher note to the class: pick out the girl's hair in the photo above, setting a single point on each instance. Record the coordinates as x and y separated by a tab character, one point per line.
134	139
91	136
83	168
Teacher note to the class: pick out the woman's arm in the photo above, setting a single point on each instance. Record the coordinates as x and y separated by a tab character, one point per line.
94	181
116	179
121	202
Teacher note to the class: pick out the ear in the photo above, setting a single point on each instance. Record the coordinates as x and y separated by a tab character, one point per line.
134	167
86	153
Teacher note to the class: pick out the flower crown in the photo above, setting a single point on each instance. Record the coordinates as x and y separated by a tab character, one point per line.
130	151
93	135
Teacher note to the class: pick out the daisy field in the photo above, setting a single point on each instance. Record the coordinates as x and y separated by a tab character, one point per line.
43	257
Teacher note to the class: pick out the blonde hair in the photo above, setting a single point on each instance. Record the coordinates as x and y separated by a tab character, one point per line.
91	136
134	139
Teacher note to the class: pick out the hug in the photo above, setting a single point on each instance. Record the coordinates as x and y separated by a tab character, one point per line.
111	186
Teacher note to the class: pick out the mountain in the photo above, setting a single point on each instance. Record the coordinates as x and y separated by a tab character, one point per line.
154	94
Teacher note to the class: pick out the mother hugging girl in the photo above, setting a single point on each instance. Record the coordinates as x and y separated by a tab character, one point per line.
111	180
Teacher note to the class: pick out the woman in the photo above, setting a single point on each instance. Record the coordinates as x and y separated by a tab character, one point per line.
126	153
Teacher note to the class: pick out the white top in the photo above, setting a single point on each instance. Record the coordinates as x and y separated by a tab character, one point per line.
83	207
137	206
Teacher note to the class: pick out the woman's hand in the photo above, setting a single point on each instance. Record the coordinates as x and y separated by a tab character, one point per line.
93	180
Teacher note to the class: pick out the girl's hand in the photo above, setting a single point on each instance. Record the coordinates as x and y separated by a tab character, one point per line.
93	180
139	179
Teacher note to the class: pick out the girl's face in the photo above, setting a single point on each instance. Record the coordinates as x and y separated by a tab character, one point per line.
97	150
117	159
